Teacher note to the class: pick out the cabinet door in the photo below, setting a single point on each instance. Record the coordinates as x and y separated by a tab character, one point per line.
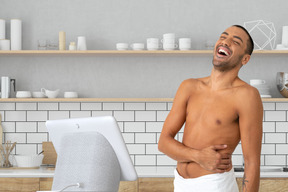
19	184
270	184
46	184
156	184
128	186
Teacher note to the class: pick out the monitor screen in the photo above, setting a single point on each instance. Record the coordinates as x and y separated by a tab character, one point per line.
107	126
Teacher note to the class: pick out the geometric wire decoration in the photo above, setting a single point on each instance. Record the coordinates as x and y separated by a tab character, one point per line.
262	32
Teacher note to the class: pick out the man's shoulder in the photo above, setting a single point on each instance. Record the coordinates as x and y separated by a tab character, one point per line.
193	81
247	94
247	89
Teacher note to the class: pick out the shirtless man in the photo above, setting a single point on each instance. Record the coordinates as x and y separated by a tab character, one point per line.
218	112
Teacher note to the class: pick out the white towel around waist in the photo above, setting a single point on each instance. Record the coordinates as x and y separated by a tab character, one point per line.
218	182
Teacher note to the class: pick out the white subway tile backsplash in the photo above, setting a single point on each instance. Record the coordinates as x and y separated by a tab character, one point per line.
16	137
156	106
26	127
80	114
166	170
37	137
136	149
124	115
37	115
48	106
237	160
154	126
26	106
145	115
145	138
238	150
134	106
268	127
91	106
275	138
101	113
158	136
128	137
179	137
152	149
165	160
268	149
282	106
26	149
55	115
7	106
134	127
141	124
146	170
121	126
282	127
41	127
281	149
2	115
69	106
277	160
15	116
113	106
275	115
145	160
9	127
269	106
162	115
170	106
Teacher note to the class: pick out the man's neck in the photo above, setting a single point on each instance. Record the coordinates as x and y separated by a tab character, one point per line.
222	79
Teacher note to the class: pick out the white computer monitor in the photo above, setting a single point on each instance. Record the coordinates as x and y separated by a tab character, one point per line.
107	126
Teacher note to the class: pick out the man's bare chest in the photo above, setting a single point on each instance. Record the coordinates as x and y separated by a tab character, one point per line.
212	111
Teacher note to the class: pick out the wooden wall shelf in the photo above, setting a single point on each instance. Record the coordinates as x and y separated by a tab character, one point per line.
112	100
109	52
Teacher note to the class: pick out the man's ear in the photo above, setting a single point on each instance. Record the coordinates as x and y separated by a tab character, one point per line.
245	59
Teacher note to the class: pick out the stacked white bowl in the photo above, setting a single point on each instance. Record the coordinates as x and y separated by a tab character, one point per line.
262	87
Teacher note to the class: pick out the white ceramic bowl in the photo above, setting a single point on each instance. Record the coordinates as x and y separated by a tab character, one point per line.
23	94
70	95
38	94
29	160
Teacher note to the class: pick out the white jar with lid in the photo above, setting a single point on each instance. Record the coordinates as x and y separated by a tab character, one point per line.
72	46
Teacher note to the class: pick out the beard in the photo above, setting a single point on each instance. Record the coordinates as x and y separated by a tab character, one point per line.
226	65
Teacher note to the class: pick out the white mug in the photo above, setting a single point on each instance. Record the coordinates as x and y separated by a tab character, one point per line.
81	43
137	46
168	40
4	44
152	43
169	46
70	94
257	82
122	46
185	43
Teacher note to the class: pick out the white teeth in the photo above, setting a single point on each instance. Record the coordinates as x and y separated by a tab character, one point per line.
223	51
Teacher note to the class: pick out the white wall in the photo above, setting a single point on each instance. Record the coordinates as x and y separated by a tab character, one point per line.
106	22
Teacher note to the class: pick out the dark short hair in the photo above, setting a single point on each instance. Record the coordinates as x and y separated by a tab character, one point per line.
250	43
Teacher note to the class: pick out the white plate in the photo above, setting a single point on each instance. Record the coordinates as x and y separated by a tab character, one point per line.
266	96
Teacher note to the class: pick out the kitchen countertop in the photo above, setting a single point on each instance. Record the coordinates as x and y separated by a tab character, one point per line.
46	173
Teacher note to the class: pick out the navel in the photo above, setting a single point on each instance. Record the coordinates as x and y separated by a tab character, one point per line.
218	122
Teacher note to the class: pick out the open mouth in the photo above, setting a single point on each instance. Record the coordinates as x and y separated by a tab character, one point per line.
223	51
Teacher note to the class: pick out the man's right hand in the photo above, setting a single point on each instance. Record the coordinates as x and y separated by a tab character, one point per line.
210	159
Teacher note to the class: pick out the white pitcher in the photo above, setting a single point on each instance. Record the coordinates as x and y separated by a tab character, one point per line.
50	94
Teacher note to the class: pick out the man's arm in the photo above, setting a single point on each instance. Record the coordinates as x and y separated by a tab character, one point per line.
208	157
250	122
